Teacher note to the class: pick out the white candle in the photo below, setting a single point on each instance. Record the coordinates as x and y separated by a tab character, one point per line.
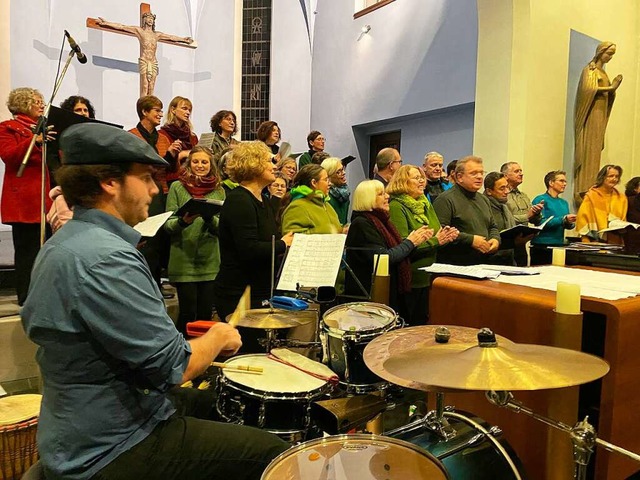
568	298
383	265
559	256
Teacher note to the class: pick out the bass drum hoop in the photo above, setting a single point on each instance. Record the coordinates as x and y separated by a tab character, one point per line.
374	439
489	437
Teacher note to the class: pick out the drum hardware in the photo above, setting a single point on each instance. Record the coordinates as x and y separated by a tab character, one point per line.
340	415
475	451
583	435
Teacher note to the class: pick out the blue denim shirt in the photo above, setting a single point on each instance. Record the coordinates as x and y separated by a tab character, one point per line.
108	351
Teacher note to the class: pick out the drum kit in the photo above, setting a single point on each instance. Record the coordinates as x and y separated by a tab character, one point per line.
373	355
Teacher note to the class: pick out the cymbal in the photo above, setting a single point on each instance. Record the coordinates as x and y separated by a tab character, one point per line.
267	318
392	343
508	366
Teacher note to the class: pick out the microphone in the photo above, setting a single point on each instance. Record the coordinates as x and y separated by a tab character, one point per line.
82	58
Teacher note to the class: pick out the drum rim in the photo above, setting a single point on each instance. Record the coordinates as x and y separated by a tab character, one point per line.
353	436
339	333
224	379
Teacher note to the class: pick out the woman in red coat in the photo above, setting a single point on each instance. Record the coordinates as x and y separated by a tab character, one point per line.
20	203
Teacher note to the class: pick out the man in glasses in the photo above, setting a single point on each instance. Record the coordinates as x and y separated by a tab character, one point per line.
463	207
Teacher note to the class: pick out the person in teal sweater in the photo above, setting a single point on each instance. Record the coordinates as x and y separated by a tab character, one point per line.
553	232
339	190
306	206
409	210
194	259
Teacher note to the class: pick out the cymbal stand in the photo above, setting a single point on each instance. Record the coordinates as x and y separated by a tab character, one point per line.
434	421
583	435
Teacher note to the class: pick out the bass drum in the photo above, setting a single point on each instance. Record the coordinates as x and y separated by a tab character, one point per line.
464	457
355	456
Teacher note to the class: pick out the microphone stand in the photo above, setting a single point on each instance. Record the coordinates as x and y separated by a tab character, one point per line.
41	128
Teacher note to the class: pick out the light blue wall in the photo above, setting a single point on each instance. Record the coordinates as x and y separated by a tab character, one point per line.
420	56
448	131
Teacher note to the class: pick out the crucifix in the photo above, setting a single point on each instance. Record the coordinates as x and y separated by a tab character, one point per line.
148	38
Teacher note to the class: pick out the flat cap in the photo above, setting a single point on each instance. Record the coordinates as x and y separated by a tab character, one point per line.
99	144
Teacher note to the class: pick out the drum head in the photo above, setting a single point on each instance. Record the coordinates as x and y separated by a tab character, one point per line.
359	317
276	376
362	457
18	408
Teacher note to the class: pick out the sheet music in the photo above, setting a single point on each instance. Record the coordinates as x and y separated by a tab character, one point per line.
593	283
312	261
151	225
206	139
509	270
461	271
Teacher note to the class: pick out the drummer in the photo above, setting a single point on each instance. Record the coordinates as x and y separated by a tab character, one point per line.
108	352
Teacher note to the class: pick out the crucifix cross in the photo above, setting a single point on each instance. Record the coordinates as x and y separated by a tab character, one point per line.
148	38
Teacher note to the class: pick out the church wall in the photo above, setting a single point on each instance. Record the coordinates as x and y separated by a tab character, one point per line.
418	57
527	124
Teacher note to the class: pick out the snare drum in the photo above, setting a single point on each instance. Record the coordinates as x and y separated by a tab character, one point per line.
490	458
18	426
347	330
278	400
346	457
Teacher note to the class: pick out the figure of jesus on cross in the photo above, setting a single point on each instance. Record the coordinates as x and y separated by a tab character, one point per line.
148	38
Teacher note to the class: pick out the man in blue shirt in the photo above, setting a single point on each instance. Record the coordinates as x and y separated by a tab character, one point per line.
108	351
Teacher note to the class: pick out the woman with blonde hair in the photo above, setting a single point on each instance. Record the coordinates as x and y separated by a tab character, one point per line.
339	190
287	166
178	130
247	225
602	203
409	210
371	232
194	259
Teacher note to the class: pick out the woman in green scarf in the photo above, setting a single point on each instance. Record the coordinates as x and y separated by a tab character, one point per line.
409	210
306	206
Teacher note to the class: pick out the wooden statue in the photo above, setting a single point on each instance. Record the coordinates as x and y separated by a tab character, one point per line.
148	38
594	101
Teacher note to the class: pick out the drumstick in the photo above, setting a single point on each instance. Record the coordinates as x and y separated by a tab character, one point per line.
244	368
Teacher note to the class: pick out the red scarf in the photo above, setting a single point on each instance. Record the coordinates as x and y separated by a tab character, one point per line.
179	133
197	186
392	238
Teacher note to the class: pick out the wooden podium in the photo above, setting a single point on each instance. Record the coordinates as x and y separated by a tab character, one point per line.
611	329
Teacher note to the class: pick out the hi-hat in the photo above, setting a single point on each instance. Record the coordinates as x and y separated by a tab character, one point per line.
464	365
267	318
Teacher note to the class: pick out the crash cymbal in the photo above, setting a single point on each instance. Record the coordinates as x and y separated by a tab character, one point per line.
506	366
395	342
267	318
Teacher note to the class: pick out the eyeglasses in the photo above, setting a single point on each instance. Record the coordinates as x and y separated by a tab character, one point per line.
397	161
417	179
38	103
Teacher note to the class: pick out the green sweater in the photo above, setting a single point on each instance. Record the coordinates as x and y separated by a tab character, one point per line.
195	254
310	214
405	222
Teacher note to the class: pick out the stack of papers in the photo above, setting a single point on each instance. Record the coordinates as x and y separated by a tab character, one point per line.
474	271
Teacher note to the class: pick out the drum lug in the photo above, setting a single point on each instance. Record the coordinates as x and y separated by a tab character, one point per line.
495	431
261	414
239	409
